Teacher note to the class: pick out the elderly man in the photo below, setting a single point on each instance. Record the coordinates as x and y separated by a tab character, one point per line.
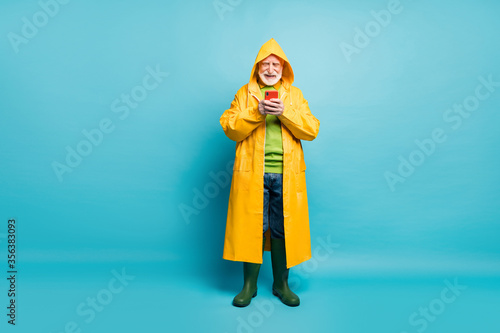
268	201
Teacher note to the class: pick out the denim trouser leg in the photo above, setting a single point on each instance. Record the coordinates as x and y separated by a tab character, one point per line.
273	204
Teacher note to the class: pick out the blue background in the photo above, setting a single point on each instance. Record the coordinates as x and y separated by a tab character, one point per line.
391	250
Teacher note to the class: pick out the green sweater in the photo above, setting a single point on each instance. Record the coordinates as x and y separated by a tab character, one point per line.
274	143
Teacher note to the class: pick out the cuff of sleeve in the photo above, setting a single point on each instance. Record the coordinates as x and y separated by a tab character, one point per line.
289	113
255	113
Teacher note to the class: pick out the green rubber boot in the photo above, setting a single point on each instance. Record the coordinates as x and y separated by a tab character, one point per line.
280	274
250	275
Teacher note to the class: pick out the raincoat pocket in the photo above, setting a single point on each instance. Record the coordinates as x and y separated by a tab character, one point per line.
241	180
242	162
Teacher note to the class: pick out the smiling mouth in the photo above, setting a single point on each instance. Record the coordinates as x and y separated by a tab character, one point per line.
269	76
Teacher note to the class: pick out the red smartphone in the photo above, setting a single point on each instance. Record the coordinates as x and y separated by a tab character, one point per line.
271	94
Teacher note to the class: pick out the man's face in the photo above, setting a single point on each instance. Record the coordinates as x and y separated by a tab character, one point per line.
270	70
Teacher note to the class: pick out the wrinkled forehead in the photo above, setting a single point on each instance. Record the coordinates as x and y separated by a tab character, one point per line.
272	59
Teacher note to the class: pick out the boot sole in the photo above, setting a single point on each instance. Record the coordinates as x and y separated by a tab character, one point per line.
275	293
242	305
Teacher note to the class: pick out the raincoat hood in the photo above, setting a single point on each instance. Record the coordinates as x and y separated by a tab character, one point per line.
271	47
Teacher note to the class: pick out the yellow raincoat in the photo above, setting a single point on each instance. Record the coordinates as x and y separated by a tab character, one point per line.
244	124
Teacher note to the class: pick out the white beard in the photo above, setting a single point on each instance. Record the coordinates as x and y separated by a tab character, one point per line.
269	81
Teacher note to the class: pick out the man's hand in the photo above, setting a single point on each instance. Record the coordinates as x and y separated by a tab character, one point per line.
273	107
262	107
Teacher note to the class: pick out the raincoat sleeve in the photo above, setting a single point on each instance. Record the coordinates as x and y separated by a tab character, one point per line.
239	121
299	119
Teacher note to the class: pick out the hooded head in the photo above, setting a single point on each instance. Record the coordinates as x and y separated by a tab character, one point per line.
272	47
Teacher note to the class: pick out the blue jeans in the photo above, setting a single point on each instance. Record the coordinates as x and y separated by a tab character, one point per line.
273	204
